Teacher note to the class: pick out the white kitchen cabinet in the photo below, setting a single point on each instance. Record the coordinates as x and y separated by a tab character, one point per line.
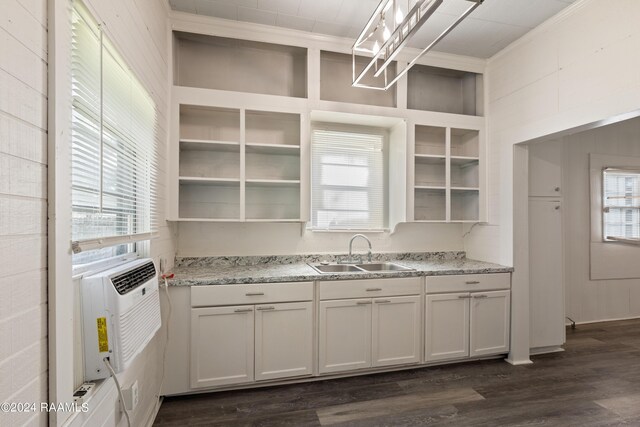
283	340
447	326
490	323
471	320
546	275
222	346
396	330
267	334
369	323
345	335
545	169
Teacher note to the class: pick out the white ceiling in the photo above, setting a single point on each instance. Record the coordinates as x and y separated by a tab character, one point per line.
489	29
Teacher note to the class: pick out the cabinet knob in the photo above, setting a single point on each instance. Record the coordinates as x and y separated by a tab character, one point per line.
557	189
557	208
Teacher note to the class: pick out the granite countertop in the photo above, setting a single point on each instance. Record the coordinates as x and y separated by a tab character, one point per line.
244	270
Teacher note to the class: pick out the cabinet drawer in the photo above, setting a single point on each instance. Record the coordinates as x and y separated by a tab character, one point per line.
340	289
208	296
468	283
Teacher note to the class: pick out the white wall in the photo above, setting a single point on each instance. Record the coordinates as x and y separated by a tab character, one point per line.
577	69
210	239
23	207
593	300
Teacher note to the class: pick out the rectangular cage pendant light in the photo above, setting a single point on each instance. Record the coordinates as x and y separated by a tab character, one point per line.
389	30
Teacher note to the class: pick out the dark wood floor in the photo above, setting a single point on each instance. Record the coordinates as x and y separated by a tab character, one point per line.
595	382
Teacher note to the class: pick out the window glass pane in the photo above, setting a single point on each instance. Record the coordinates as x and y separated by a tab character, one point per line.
347	180
621	204
114	132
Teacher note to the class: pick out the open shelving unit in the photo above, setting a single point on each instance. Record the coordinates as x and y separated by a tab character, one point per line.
241	119
205	61
238	165
446	185
444	90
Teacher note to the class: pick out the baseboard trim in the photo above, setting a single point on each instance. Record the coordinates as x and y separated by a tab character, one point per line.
518	362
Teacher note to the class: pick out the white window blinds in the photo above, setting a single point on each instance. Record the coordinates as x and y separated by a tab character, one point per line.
348	190
621	204
113	143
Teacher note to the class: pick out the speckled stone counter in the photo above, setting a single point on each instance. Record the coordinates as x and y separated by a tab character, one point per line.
294	268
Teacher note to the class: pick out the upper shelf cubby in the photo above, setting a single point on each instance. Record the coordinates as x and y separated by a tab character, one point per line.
211	62
336	76
445	91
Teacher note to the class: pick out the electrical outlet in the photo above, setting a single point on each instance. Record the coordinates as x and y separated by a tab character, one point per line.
84	392
131	396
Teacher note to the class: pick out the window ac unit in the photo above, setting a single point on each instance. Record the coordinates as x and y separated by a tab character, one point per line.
121	313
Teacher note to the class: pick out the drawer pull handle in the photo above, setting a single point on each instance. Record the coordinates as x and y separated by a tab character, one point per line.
243	310
383	301
373	289
266	308
363	302
254	294
464	296
473	282
480	296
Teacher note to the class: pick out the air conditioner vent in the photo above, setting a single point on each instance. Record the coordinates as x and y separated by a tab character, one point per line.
125	283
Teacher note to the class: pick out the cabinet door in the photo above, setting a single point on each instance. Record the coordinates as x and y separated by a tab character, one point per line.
490	323
447	326
396	331
284	340
221	346
545	169
345	335
546	277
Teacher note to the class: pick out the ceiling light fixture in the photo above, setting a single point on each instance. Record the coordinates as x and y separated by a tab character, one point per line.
383	44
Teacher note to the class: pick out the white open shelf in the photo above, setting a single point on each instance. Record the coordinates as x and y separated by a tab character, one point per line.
238	165
444	90
211	62
446	174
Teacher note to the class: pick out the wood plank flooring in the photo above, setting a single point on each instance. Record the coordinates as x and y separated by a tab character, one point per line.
595	382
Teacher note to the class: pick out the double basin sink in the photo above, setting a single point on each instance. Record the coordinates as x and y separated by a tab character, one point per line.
374	267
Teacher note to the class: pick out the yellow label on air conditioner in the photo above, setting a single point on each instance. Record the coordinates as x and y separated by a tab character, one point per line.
103	339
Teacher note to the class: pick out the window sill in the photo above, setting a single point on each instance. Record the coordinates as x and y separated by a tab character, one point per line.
349	230
622	240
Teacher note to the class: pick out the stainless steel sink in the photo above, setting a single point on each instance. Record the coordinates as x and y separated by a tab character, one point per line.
336	268
359	268
383	266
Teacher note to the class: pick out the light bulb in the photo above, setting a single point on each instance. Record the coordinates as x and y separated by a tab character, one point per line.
399	16
376	47
386	33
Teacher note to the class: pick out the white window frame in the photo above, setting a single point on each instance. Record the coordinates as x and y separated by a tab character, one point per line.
358	129
609	260
606	207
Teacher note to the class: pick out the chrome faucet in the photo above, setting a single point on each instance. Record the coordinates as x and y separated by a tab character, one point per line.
369	254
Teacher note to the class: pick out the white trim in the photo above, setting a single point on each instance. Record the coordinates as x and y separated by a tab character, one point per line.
61	295
105	242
